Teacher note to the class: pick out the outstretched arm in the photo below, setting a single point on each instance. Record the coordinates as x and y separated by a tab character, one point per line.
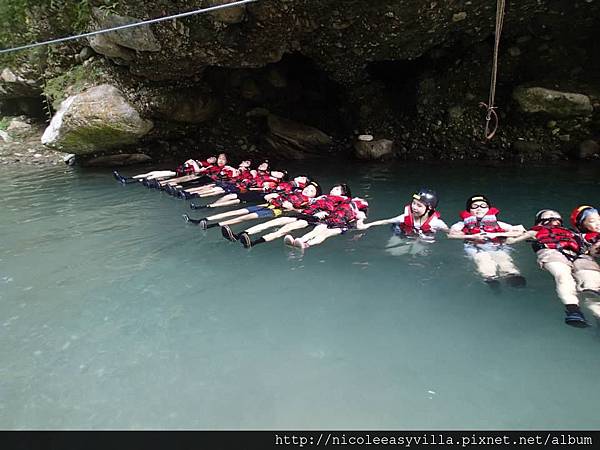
365	226
524	236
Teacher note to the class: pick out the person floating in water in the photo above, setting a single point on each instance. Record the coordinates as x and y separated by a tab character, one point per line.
484	238
559	250
419	222
346	215
317	209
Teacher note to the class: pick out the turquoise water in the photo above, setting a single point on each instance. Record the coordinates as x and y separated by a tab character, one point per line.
115	314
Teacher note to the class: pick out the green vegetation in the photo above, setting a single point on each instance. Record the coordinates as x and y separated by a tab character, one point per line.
72	82
4	122
28	21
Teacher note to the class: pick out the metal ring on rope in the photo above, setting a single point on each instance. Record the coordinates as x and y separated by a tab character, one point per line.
491	114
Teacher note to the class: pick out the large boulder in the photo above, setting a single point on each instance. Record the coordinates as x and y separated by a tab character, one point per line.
121	44
294	140
14	85
551	102
371	149
97	119
101	43
20	129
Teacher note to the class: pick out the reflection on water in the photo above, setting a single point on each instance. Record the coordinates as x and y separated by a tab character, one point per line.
116	314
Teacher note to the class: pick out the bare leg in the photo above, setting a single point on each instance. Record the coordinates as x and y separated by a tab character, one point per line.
225	199
324	234
241	219
215	191
237	212
223	204
297	225
280	221
311	234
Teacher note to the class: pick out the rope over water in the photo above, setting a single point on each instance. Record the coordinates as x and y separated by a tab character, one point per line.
129	25
491	115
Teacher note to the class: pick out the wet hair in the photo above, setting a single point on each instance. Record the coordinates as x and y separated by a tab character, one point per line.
317	187
345	189
285	173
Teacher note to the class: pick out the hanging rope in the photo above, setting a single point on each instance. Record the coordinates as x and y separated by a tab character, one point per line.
130	25
491	117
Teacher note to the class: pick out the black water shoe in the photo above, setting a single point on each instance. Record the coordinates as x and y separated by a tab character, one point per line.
244	238
227	233
575	319
515	280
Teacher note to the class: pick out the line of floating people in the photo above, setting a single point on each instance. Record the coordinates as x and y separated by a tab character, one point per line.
298	203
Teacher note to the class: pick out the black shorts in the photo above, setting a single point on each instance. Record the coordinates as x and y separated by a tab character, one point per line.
251	197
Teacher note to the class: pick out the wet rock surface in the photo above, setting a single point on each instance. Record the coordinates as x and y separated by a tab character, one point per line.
410	72
98	119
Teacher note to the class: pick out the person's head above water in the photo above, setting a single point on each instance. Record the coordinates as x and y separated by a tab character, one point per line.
585	219
281	175
423	201
222	159
245	165
548	217
341	189
311	190
478	205
211	159
301	181
263	167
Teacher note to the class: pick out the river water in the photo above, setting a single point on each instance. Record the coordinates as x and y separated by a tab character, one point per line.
115	314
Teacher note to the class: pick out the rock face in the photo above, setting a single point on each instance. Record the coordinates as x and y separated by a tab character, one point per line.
553	103
293	140
20	129
121	45
373	149
412	71
235	14
124	159
182	105
13	85
98	119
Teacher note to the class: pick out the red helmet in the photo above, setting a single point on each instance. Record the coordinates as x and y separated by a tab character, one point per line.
579	214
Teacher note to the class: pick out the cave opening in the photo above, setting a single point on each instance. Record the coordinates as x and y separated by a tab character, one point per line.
298	89
400	80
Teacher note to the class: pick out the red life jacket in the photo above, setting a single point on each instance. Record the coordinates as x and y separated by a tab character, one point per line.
408	224
591	238
557	238
286	187
488	223
295	198
325	203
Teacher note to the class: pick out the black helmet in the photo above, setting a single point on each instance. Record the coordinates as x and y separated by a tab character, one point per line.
477	198
427	197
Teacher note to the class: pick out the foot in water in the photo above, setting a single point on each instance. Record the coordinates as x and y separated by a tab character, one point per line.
575	318
288	239
194	206
244	238
300	244
228	234
515	280
117	175
493	283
